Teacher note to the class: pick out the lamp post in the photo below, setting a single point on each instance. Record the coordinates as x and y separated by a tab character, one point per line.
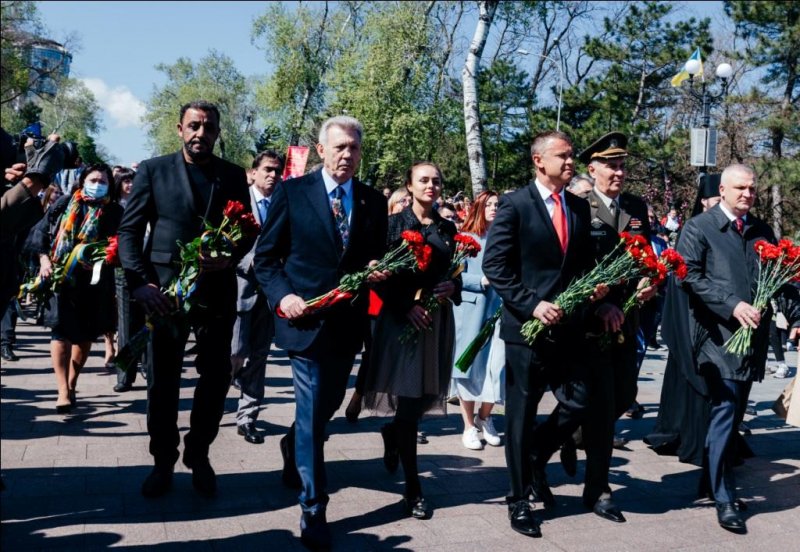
560	81
704	139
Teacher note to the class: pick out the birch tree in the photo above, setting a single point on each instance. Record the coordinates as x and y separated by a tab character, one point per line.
469	81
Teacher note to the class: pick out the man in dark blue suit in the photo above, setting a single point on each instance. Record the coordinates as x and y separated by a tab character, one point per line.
722	271
319	227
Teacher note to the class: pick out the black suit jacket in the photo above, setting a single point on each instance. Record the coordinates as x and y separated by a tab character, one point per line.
162	198
722	271
523	259
299	253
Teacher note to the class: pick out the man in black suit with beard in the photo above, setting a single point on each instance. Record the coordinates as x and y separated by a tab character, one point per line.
539	242
171	197
319	227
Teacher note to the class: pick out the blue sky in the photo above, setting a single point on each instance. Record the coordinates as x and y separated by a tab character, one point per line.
120	43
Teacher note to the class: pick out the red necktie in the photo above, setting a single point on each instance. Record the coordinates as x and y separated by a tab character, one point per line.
739	224
560	222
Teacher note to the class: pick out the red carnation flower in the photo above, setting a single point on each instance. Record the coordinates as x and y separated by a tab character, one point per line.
412	237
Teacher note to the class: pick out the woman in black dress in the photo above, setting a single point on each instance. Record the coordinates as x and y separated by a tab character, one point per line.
80	311
411	377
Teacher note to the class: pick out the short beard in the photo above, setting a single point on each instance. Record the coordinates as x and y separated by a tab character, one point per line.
197	156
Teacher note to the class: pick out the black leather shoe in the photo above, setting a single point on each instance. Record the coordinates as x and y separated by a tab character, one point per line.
541	489
158	483
522	519
122	387
417	508
289	476
569	458
391	453
314	531
353	408
619	442
204	480
606	509
729	518
7	353
250	433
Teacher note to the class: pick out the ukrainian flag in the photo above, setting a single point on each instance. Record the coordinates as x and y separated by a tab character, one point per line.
683	75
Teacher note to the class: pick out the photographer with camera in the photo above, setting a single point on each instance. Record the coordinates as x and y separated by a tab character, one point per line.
23	181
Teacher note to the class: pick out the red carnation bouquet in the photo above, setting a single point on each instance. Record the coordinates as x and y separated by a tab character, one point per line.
625	262
466	247
411	253
778	265
237	223
654	269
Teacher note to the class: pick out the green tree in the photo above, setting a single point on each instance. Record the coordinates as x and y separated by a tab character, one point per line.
389	80
505	105
213	78
302	44
772	32
19	21
630	91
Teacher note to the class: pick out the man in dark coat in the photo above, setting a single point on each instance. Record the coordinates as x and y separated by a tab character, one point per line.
319	227
722	270
539	242
171	197
612	379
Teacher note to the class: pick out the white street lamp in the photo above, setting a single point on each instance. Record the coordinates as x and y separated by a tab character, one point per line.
560	82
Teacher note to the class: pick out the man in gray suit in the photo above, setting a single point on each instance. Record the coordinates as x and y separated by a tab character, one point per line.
254	327
722	270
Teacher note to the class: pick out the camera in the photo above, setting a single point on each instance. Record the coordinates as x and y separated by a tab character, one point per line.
70	149
13	149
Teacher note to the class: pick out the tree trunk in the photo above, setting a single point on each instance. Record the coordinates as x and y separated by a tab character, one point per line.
469	78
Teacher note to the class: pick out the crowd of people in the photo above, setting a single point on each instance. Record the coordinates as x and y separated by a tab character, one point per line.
410	326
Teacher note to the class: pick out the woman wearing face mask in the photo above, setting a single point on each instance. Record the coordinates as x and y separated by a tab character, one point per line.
411	378
484	381
80	311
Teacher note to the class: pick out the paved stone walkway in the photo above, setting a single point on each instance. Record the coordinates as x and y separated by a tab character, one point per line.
73	482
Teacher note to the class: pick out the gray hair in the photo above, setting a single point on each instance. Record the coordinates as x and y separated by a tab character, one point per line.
342	121
736	169
573	184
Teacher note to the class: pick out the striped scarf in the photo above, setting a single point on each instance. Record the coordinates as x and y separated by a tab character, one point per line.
79	224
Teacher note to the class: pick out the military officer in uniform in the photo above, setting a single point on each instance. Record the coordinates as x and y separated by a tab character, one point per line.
612	381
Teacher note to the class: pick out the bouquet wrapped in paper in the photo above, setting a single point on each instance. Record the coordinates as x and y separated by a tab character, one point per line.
778	265
236	224
466	247
486	332
411	253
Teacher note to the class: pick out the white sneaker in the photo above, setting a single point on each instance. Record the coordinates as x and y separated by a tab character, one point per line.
772	368
489	432
471	439
781	372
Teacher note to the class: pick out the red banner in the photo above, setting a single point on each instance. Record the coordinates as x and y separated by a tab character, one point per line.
296	158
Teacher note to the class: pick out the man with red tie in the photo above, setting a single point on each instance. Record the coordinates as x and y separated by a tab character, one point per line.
539	242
